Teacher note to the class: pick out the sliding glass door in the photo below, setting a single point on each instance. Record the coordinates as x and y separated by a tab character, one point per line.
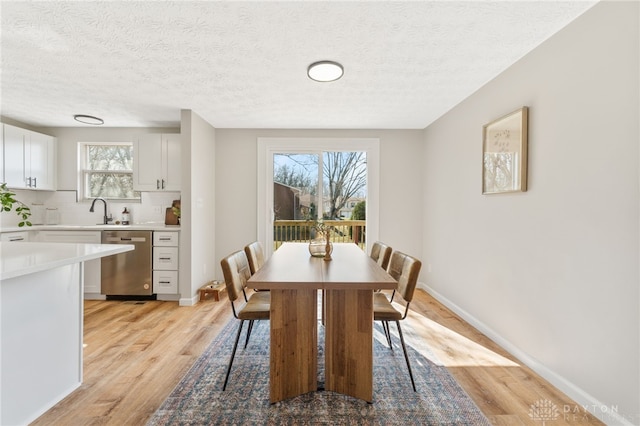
326	186
307	180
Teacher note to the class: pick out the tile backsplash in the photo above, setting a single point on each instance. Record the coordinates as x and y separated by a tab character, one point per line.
69	211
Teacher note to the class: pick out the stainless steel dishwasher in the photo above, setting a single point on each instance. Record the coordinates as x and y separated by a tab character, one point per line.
127	274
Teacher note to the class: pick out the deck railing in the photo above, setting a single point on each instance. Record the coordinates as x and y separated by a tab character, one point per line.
344	231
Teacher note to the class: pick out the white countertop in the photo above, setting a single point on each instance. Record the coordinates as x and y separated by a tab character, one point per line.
18	258
134	227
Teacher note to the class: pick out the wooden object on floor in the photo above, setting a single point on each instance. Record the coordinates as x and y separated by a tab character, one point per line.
136	354
213	289
350	333
351	278
294	326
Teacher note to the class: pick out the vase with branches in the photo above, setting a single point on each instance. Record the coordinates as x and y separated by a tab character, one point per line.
321	246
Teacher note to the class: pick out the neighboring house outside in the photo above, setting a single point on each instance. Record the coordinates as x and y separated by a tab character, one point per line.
286	202
345	212
292	204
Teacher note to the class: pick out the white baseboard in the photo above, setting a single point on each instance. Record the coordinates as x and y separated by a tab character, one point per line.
94	296
168	297
186	301
584	400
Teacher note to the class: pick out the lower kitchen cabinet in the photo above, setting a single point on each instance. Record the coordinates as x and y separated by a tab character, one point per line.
165	262
9	237
91	268
165	282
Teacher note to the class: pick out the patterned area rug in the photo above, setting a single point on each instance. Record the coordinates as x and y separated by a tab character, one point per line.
198	398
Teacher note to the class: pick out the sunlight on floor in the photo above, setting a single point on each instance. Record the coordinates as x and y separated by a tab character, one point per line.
444	347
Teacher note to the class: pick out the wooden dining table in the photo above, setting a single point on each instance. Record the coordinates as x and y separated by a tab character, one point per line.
348	280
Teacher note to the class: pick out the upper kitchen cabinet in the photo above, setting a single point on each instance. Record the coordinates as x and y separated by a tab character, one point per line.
29	159
156	162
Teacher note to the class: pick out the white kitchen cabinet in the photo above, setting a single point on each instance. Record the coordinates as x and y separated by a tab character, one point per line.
165	258
41	158
29	159
156	162
92	278
167	239
13	140
165	282
165	262
8	237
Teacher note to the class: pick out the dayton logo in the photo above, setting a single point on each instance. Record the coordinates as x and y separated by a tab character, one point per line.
543	410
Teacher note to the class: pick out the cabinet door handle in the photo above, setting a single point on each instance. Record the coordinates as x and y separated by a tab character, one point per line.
162	183
11	239
28	182
157	183
35	182
165	238
165	282
164	258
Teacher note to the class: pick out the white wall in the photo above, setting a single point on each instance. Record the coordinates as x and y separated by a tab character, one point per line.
198	234
551	273
400	185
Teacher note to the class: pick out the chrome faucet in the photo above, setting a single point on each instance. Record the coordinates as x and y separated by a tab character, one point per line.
105	219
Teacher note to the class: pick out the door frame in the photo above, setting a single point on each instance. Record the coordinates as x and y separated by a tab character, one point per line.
269	146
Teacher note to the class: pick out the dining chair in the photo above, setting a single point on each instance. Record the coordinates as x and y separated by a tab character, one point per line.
381	253
257	306
405	270
255	255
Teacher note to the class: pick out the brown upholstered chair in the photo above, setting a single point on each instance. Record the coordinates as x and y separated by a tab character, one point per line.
405	269
381	253
255	255
235	268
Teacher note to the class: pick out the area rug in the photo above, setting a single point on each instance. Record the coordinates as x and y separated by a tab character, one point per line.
198	398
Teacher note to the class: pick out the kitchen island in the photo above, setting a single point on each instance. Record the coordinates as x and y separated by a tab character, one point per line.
41	324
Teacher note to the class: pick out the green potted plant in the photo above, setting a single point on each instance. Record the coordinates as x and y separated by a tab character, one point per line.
9	202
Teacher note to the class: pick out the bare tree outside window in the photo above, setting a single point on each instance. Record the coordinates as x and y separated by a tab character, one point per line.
295	177
108	171
344	177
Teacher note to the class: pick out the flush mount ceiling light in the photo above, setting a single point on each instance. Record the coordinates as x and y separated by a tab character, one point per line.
88	119
325	71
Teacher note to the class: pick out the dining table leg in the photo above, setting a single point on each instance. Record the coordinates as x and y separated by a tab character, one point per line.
349	343
294	343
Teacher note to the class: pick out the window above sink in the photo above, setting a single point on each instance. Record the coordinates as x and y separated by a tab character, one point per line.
106	171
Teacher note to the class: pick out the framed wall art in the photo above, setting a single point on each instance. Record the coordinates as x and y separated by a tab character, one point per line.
504	153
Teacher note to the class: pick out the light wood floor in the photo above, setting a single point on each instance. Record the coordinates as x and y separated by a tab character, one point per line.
136	353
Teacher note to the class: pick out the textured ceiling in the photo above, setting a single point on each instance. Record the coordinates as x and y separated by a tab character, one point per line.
243	64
